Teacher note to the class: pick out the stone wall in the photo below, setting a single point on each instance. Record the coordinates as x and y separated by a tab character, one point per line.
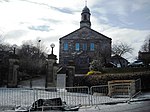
102	47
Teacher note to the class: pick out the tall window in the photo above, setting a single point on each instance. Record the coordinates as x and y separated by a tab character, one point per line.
92	47
65	46
77	47
84	47
85	17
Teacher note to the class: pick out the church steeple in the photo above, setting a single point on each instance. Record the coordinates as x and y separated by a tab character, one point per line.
85	17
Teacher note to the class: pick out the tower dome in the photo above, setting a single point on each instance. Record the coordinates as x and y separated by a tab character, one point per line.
86	10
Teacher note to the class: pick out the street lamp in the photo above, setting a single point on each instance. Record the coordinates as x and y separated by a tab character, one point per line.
39	46
14	48
52	46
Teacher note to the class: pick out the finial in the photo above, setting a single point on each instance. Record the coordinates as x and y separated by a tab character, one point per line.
85	2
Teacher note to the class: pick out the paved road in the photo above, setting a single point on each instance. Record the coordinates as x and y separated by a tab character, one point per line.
143	106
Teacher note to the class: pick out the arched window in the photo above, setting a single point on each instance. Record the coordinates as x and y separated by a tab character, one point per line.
65	46
84	47
77	47
92	47
85	17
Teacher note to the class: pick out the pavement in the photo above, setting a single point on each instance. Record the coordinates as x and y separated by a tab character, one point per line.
143	106
141	103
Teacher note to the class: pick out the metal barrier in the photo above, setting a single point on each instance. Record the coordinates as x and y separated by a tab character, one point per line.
137	88
107	93
100	95
11	97
70	95
96	95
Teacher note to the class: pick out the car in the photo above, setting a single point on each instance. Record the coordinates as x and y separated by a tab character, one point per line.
137	63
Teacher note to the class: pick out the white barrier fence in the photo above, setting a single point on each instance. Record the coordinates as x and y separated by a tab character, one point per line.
71	95
96	95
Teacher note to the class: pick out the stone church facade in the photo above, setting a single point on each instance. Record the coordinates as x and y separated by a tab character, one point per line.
84	45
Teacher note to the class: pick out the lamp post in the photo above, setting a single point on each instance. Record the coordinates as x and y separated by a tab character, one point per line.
52	46
14	48
39	47
50	66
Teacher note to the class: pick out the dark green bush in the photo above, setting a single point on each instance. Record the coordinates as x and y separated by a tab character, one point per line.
93	80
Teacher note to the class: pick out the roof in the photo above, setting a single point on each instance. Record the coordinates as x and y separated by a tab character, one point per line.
86	10
148	53
118	57
85	32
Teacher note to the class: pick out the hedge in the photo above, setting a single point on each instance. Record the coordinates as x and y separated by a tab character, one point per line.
92	80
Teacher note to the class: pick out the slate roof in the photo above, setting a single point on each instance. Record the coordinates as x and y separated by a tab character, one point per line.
85	33
118	57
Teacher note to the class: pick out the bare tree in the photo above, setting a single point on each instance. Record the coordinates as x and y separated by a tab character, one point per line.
32	60
121	49
41	46
146	46
1	37
5	47
2	46
101	57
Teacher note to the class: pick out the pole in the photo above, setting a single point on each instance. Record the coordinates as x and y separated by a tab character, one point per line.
52	50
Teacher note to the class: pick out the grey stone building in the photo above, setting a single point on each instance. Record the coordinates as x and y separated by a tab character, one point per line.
145	57
84	45
119	61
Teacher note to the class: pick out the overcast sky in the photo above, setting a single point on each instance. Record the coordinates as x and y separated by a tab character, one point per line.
48	20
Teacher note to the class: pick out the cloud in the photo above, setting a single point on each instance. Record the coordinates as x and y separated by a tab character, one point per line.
121	20
139	5
4	0
15	34
50	20
63	10
40	28
123	13
148	18
134	38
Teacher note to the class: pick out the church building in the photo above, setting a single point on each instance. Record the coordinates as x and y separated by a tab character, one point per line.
84	45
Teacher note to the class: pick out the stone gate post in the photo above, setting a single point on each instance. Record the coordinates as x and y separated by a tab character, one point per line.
70	74
50	80
13	72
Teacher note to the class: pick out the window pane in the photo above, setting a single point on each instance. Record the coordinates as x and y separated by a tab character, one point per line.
77	46
65	46
92	47
84	46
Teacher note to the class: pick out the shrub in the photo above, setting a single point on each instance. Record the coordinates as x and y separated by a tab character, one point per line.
92	80
92	72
